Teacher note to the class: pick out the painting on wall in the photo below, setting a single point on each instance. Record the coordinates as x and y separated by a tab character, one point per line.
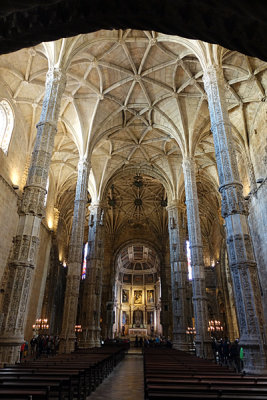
125	318
138	297
150	317
125	296
150	296
138	317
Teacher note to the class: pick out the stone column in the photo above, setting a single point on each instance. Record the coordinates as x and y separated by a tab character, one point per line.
241	257
93	282
110	319
32	210
179	276
165	304
67	337
203	342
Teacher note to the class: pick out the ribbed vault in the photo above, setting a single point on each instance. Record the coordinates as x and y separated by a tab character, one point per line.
134	99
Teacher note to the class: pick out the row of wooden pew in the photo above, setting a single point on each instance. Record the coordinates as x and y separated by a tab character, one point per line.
63	377
172	374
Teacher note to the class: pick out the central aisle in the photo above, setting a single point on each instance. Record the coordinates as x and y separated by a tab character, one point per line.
126	382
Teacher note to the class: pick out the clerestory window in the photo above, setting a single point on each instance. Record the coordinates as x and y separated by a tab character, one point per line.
188	253
85	252
6	124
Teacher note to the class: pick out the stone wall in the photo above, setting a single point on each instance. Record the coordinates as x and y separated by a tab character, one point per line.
258	200
11	171
8	221
258	143
258	224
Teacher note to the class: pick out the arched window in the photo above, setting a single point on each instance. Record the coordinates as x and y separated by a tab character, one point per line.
85	252
188	253
6	124
47	187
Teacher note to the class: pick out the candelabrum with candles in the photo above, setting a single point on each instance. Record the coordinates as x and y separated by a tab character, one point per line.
41	326
191	332
78	331
78	328
215	328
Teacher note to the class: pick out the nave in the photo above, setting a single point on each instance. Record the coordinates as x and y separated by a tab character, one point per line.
125	382
138	205
119	372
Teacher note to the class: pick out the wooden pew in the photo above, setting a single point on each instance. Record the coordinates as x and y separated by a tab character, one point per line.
65	376
23	394
175	374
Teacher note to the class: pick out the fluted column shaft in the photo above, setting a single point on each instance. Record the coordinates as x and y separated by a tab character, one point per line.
179	276
203	346
67	343
240	251
32	209
91	306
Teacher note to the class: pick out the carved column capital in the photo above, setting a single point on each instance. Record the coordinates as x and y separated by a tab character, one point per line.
189	162
213	74
35	188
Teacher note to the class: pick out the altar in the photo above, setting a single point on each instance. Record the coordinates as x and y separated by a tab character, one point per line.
137	332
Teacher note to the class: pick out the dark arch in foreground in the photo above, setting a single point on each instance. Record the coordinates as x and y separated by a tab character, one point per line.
238	25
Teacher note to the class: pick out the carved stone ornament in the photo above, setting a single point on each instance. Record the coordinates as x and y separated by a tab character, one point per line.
25	244
74	259
179	277
93	282
241	259
203	347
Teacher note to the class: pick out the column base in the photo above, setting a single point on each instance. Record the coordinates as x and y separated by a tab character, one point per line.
255	360
97	337
10	350
67	345
204	349
88	339
180	346
180	342
87	344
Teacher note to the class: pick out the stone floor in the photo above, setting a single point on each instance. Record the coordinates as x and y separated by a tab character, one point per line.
126	382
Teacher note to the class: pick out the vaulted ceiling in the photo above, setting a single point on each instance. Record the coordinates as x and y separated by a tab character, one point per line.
135	103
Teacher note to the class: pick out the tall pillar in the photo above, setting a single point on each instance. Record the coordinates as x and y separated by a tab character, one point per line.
203	342
241	257
179	276
91	306
165	304
67	337
110	307
31	212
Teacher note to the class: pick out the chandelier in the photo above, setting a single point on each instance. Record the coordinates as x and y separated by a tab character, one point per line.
215	326
41	324
78	328
190	331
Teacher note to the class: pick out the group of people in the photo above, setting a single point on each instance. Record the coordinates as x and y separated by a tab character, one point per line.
228	353
157	341
41	344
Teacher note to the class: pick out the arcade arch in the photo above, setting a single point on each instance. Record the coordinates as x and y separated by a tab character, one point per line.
137	304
